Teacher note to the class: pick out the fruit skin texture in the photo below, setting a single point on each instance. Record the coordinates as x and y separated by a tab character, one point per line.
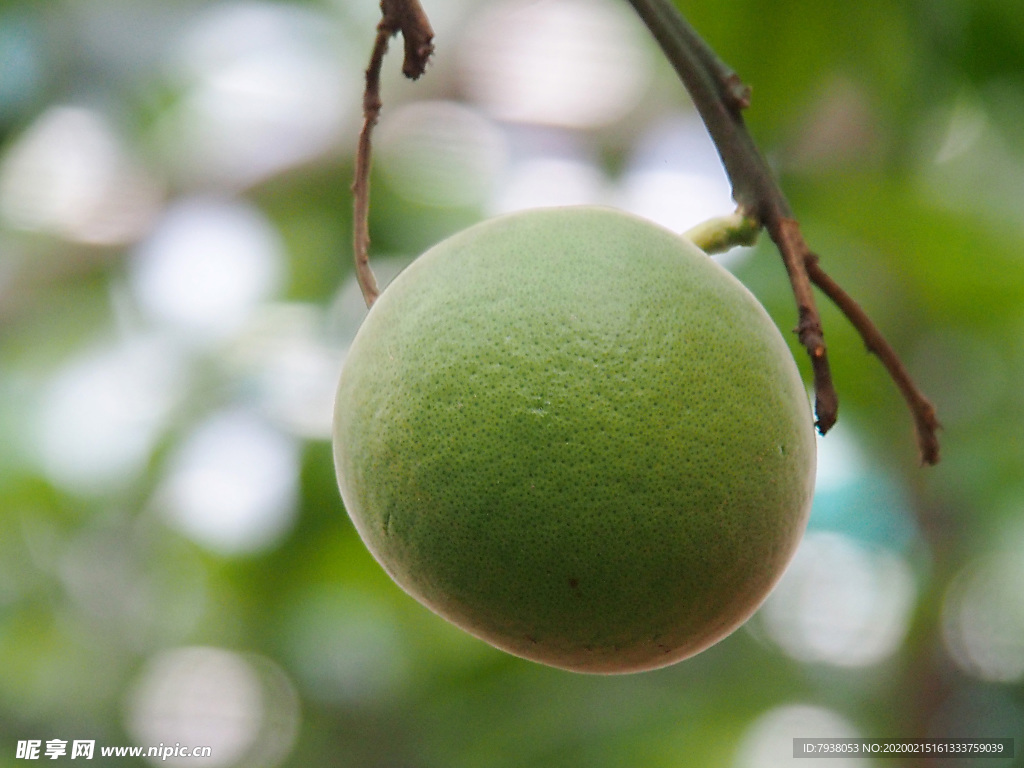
571	433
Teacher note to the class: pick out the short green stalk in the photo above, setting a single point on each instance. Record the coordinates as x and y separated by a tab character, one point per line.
724	233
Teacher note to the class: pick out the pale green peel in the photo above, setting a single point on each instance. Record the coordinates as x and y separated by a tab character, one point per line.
574	435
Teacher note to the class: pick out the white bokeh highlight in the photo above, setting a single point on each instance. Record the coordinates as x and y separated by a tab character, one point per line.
99	415
243	708
675	176
232	484
768	742
266	86
206	267
840	602
69	174
571	63
983	616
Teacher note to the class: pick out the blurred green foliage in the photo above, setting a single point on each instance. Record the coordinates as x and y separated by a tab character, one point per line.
895	128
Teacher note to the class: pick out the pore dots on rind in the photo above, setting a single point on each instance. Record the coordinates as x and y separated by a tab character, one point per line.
580	446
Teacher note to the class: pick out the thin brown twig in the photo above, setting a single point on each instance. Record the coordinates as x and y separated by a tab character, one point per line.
785	232
926	422
409	18
720	97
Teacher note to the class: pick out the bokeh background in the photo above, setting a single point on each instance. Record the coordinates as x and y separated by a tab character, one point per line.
176	300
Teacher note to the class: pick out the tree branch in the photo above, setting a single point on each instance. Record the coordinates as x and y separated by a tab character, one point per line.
720	98
409	18
790	242
925	421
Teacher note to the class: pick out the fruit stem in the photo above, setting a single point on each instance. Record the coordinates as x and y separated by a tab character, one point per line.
720	97
724	233
409	18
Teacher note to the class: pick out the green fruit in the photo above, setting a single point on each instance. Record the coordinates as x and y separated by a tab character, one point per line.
574	435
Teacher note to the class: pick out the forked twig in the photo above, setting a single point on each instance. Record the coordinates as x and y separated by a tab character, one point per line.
720	97
925	421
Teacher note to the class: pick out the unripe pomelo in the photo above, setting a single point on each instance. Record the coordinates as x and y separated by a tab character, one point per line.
577	437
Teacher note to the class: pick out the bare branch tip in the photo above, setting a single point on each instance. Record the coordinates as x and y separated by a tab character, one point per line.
409	18
826	401
417	56
928	427
823	423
